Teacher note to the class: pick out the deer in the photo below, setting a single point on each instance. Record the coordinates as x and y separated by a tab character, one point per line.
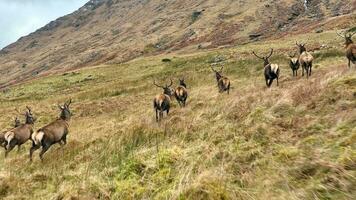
305	59
17	123
294	64
350	47
162	102
21	134
271	71
181	93
53	133
222	81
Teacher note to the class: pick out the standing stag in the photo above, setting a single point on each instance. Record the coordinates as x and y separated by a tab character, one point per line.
350	47
55	132
294	64
20	134
271	71
305	59
181	93
162	102
223	81
17	123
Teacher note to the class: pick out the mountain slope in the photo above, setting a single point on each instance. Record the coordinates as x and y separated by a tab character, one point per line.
295	141
114	31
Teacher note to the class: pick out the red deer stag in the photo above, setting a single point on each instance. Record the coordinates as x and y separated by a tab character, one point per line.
223	81
350	47
305	59
162	102
17	123
181	93
271	71
21	134
294	64
55	132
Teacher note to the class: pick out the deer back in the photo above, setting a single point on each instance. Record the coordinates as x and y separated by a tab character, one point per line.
180	91
351	51
305	57
55	130
161	101
23	132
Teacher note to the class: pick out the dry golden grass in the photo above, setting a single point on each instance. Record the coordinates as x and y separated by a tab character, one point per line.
296	141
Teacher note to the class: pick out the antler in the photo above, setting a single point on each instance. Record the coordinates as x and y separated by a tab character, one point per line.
213	69
351	34
69	102
29	109
154	83
170	84
339	34
270	54
222	67
257	55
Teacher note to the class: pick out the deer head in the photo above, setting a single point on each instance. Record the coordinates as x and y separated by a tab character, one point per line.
182	83
29	116
347	37
301	47
218	73
265	58
65	111
166	89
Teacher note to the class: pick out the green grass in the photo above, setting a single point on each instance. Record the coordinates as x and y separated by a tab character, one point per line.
296	141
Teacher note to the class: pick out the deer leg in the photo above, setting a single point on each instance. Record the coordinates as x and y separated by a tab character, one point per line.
11	146
156	115
18	148
303	70
267	81
45	148
349	63
33	149
64	139
277	82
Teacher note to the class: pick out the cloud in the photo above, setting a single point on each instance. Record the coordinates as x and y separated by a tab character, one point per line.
21	17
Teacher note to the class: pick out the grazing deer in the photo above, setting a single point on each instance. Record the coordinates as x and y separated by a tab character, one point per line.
162	102
271	71
294	64
20	134
350	47
181	93
55	132
305	59
223	81
2	135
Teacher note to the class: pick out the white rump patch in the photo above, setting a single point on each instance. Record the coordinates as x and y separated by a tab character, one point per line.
8	137
294	60
37	137
274	68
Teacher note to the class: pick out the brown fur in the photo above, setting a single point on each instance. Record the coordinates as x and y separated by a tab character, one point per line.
2	135
20	134
223	82
181	93
162	102
350	48
305	60
271	71
55	132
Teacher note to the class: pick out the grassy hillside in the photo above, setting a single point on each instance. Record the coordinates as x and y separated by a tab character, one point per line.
297	141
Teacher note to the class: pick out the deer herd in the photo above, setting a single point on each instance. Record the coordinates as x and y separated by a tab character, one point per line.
57	131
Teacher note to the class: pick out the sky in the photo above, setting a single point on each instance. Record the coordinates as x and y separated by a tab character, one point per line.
20	17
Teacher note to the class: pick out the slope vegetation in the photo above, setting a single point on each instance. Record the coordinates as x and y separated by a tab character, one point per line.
115	31
296	141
